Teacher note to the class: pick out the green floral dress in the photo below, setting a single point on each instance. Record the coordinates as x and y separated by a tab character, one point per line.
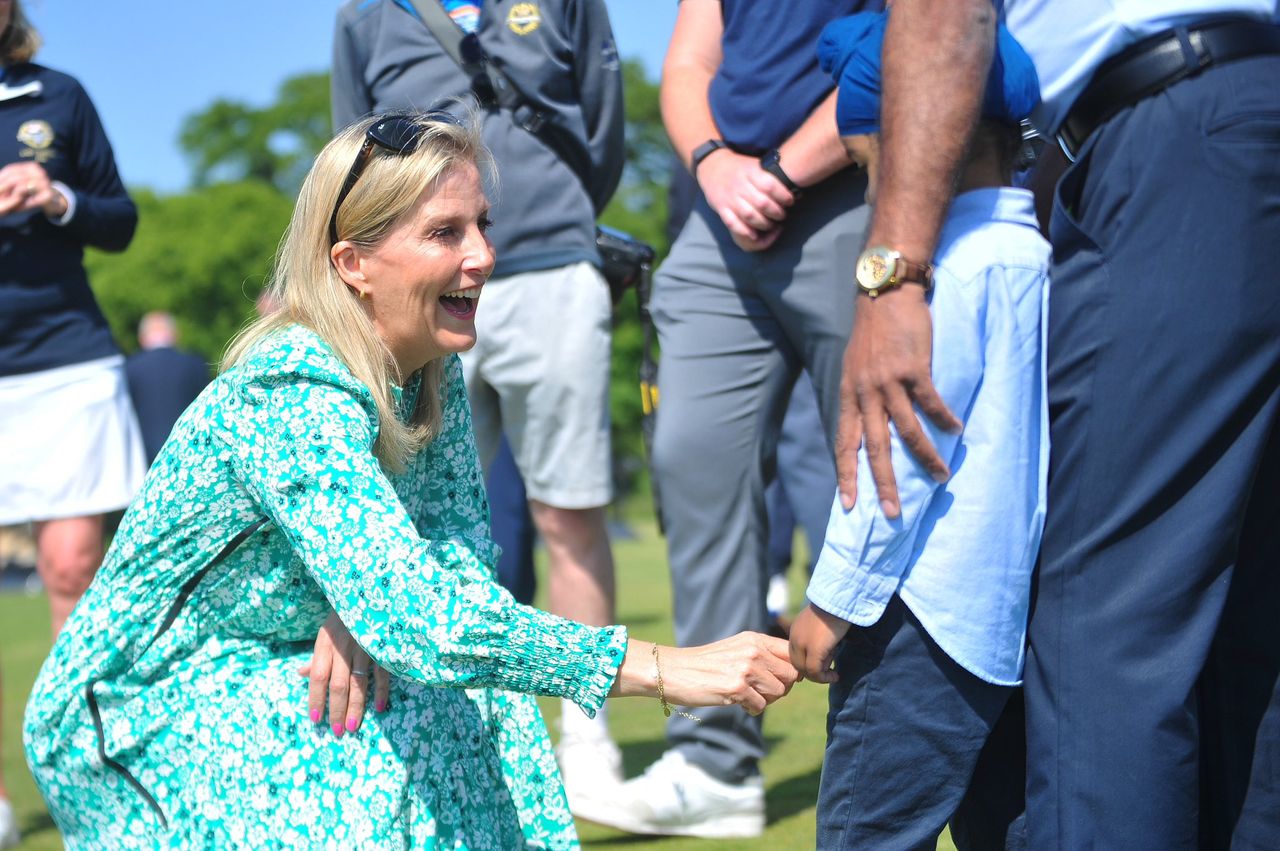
170	713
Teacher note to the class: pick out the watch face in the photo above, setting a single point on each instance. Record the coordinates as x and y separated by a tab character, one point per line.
874	268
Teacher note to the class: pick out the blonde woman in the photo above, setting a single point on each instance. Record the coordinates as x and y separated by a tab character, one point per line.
331	469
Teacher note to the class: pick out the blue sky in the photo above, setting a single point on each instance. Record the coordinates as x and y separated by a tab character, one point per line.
148	64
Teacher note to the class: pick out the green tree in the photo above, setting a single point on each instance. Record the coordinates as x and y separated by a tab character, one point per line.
231	140
202	256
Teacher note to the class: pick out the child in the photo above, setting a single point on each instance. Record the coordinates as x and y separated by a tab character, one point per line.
924	616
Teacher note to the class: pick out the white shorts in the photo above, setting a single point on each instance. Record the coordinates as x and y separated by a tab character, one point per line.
540	372
69	443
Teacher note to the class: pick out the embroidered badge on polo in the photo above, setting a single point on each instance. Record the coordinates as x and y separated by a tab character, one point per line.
37	134
38	137
524	18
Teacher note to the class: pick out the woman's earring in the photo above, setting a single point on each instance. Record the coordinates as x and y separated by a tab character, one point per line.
364	295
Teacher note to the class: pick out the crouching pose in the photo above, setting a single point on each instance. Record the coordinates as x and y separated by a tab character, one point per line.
327	481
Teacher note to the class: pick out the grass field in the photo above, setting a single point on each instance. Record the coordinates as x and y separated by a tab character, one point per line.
794	727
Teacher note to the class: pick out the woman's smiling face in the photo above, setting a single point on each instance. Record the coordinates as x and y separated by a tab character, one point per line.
422	283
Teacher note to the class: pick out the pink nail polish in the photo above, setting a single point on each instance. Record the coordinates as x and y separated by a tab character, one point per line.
315	716
351	725
380	706
337	730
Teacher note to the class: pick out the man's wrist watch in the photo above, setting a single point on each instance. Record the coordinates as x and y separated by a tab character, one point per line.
703	151
772	163
880	268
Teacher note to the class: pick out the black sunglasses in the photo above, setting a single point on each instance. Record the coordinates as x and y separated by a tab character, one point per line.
396	133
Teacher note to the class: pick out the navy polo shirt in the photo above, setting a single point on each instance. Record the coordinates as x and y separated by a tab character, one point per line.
48	315
769	80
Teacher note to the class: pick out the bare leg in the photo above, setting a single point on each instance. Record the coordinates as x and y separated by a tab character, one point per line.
69	552
581	583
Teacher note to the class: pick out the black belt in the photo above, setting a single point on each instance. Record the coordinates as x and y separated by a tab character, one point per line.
1158	62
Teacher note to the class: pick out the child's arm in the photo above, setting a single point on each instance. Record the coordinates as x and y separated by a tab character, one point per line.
866	554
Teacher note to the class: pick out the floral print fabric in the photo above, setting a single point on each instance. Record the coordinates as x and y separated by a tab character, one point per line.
170	713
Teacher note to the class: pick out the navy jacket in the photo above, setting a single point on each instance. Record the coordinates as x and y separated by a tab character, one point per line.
48	315
162	383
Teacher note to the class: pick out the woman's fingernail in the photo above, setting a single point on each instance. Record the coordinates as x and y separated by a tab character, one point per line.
380	706
315	716
337	730
352	724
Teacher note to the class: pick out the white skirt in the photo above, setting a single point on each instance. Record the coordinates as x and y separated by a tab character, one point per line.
69	443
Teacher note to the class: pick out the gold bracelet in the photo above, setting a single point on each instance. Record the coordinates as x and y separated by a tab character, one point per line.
662	692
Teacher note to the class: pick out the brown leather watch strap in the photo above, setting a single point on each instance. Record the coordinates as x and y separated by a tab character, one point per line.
913	273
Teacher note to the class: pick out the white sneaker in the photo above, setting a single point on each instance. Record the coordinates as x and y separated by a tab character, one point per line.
591	766
778	598
676	798
8	826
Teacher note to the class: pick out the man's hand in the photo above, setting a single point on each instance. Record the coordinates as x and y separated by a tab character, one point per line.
887	373
814	637
750	201
26	186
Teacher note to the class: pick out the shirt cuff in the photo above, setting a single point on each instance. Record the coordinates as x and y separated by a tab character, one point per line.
65	191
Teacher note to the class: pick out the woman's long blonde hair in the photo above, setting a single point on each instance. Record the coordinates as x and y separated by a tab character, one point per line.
306	289
19	41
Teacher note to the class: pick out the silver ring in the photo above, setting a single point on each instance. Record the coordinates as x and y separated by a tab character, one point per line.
356	673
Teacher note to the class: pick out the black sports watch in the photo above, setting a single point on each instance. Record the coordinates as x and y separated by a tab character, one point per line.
772	163
703	151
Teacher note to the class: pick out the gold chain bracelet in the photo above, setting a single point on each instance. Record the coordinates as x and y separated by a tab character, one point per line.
662	692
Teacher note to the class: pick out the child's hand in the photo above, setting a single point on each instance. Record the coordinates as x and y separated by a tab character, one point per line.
814	637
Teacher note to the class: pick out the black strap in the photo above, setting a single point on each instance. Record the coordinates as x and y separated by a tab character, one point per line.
492	87
1157	62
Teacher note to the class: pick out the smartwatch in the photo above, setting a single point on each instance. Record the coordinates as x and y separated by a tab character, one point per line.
703	151
772	163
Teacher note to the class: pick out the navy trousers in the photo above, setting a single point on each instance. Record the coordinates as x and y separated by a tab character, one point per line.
1153	719
512	525
915	741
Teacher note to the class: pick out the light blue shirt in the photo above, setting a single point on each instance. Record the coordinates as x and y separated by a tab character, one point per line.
1069	39
961	554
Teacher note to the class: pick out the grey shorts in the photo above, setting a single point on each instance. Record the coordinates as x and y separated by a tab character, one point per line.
540	372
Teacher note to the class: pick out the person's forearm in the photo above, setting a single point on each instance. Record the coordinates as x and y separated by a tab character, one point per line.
692	60
814	152
637	676
937	54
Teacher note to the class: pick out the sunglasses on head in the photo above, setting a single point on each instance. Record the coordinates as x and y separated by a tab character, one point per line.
396	133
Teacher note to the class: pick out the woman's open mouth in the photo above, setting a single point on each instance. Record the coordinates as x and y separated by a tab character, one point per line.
461	303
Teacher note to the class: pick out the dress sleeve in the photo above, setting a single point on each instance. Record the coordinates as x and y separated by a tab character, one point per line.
427	609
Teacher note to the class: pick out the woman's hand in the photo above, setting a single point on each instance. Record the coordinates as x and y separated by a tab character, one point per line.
26	186
750	670
340	673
